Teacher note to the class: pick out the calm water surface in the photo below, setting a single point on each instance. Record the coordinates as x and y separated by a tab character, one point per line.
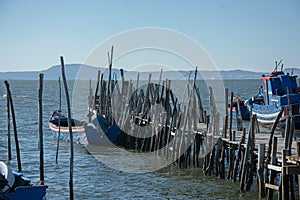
92	179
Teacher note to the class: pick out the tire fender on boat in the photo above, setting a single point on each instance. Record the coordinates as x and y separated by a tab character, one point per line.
8	175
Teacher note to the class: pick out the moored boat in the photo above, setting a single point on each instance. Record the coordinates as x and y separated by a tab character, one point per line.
278	90
238	106
14	185
59	128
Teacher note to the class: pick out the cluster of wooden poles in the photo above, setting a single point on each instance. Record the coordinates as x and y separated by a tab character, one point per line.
153	107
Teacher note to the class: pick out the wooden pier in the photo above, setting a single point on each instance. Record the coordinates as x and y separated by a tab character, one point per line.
245	158
187	135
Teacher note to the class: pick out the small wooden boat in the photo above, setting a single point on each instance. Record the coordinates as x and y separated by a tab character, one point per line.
239	106
278	90
14	186
59	127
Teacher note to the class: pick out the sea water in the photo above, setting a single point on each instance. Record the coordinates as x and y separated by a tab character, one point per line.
92	178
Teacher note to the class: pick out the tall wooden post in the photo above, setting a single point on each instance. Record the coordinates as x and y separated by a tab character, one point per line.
41	143
8	128
96	91
260	171
70	128
59	116
108	98
284	176
298	154
231	108
90	102
14	126
226	114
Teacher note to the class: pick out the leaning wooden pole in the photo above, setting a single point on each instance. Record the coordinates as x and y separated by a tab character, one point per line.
70	128
8	129
41	143
14	126
268	156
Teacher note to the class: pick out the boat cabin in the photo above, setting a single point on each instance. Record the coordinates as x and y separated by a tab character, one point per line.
276	87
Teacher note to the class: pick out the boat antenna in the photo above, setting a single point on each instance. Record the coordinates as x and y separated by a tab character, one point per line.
292	72
281	67
276	65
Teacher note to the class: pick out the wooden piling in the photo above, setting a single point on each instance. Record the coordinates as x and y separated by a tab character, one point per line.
268	157
273	159
70	128
8	128
90	113
284	176
222	162
260	171
225	125
239	155
108	98
231	109
298	154
287	132
59	116
252	159
41	142
291	135
14	126
248	163
97	89
239	116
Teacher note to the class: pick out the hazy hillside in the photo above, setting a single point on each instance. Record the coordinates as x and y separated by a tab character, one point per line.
78	71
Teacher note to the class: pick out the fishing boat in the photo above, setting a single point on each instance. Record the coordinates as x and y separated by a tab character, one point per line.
279	90
239	108
59	127
14	186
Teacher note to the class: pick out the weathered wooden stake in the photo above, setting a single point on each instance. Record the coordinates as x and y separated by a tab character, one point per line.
90	102
260	171
70	128
284	176
230	123
14	125
59	111
108	99
226	114
239	155
41	142
8	128
239	116
298	154
273	159
268	159
97	89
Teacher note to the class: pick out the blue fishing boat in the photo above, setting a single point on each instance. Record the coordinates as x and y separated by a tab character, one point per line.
14	186
59	128
239	107
100	131
278	90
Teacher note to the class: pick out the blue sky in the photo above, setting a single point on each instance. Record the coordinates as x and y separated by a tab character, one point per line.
249	35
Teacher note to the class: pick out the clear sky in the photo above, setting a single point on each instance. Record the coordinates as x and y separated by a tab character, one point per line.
249	35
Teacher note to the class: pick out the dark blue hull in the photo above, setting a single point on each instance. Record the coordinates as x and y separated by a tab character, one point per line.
111	131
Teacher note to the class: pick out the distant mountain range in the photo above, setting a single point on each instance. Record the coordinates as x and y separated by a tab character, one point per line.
85	72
